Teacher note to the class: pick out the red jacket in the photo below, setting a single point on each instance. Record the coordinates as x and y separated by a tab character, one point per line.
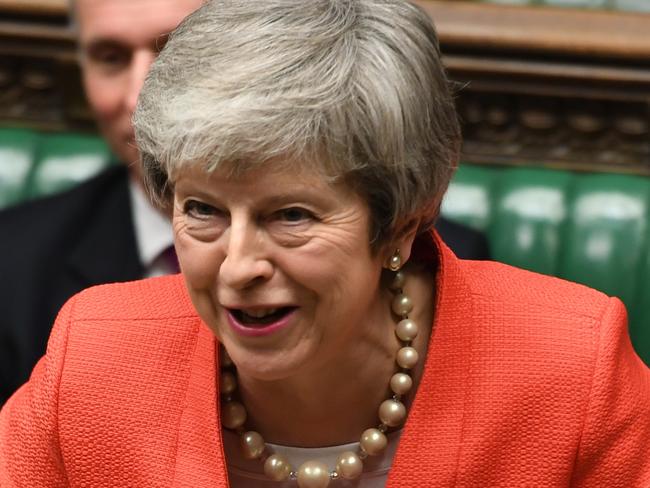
530	381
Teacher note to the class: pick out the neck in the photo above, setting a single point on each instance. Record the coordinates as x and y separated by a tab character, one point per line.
330	407
331	404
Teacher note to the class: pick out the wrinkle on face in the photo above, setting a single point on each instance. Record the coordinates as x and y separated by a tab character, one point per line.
323	266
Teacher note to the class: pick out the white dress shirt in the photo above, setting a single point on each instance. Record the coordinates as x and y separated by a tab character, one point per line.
153	232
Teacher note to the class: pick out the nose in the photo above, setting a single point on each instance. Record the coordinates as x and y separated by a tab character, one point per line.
141	61
246	261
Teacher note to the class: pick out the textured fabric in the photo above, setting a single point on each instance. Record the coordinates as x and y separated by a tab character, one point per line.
529	381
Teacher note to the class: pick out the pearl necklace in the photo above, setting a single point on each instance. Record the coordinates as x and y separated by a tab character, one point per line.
373	441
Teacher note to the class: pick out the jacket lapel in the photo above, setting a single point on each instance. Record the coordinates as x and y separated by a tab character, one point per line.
200	460
429	451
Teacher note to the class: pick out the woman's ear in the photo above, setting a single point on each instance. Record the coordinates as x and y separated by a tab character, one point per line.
401	241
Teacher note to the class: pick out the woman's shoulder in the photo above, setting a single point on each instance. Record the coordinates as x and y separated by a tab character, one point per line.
123	363
110	339
539	321
127	322
509	286
152	298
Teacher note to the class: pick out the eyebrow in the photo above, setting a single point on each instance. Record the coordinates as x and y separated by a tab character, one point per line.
283	197
101	42
157	44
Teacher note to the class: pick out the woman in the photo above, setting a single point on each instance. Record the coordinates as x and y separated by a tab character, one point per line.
303	148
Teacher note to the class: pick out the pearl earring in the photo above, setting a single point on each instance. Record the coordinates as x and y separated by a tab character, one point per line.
395	262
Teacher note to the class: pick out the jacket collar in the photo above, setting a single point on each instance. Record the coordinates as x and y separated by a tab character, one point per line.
201	460
436	416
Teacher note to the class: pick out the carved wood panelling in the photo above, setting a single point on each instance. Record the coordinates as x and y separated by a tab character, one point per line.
551	87
39	76
562	132
37	7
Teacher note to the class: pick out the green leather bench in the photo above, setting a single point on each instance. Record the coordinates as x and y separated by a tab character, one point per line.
36	164
589	228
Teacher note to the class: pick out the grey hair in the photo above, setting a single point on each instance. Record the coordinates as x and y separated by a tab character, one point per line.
353	88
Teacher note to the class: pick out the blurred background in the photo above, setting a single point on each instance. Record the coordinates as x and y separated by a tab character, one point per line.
554	97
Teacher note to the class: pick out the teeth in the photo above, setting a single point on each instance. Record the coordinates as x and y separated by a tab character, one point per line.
260	312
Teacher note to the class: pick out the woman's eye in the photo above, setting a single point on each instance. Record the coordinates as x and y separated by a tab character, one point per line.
295	214
197	209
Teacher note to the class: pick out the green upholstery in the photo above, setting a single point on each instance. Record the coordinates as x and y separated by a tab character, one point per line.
640	313
65	160
37	164
17	156
588	228
528	220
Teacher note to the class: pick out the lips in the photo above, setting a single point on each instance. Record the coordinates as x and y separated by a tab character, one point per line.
260	316
259	321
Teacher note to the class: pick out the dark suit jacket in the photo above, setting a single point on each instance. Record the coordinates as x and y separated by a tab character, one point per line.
466	243
52	248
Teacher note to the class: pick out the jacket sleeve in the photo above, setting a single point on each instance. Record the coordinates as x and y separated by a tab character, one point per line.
30	454
614	448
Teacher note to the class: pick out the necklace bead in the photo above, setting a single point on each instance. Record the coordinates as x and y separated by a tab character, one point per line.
313	474
401	383
373	441
402	305
227	383
407	357
252	444
349	466
406	330
398	281
392	413
277	468
225	360
233	415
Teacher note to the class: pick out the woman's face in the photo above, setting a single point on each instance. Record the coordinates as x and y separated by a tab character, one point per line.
279	266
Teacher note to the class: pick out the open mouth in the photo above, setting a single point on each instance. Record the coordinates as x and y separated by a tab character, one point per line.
260	317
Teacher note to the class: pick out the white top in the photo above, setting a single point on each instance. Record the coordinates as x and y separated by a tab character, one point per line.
153	232
244	473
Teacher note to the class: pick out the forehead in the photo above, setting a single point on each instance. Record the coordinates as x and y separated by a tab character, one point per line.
131	21
270	178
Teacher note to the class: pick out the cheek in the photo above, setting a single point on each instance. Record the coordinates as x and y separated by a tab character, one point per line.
200	267
104	95
339	275
198	260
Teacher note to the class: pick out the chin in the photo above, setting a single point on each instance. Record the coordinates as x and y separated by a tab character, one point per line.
271	364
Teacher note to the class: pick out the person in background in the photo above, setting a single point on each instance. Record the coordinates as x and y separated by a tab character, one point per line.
321	333
105	230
